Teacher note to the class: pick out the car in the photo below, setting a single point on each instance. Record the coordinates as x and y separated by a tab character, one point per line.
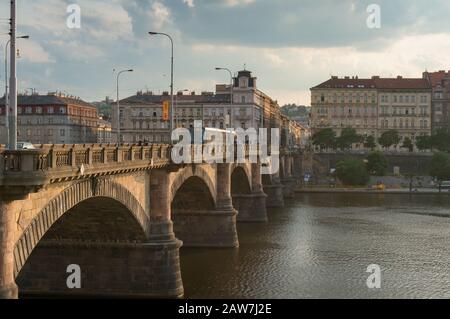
25	146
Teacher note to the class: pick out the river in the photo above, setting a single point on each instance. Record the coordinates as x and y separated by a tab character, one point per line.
320	245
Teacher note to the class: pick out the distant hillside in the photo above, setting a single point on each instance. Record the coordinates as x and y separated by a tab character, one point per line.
299	113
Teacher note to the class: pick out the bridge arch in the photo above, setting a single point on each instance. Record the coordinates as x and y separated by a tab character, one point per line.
188	173
241	179
75	195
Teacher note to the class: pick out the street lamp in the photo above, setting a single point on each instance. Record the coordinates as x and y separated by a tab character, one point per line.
6	87
171	82
231	91
118	105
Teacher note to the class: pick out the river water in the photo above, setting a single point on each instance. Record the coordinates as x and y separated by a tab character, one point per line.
320	245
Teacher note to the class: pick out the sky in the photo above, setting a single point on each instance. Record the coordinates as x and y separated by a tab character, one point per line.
289	45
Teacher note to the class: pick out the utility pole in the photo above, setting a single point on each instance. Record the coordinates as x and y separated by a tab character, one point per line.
13	81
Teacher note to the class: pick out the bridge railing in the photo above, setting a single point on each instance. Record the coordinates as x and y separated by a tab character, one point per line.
60	157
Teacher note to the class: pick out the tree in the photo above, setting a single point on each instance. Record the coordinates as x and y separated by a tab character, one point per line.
389	138
440	140
348	138
377	164
440	166
423	143
325	138
370	142
352	172
408	144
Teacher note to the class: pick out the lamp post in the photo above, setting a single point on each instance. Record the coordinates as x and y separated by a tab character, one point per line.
118	105
6	88
171	82
231	91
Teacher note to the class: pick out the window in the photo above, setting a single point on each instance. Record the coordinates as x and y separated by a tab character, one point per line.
63	110
50	110
62	132
243	99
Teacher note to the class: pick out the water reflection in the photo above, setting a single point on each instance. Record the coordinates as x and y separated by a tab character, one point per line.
320	245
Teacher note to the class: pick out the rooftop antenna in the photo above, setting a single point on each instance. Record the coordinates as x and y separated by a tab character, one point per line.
245	66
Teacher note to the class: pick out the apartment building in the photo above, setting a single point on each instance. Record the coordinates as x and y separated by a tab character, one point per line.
141	115
404	105
54	118
440	101
373	106
345	102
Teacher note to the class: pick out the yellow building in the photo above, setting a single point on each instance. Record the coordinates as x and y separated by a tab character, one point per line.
372	106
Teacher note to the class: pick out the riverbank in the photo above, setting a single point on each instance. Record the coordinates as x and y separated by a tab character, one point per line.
325	190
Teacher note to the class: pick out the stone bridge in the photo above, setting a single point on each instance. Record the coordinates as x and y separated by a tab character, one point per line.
121	214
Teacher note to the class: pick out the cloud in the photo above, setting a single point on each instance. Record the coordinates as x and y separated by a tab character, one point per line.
189	3
290	45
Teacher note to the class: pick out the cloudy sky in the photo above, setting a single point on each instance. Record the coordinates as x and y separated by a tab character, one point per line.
290	45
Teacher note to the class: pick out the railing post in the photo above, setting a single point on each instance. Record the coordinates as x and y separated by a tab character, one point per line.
73	157
89	156
104	155
54	158
119	155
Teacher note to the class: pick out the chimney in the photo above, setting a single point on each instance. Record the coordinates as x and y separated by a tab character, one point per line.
375	77
165	93
347	78
399	77
193	93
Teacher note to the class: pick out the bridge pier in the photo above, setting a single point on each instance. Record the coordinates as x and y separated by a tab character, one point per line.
215	229
252	207
125	270
274	191
8	287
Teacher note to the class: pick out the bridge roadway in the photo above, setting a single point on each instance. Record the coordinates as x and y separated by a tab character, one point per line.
121	214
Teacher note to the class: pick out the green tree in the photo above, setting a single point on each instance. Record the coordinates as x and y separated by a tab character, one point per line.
325	139
377	164
389	138
408	144
352	172
423	143
440	140
440	166
348	138
370	142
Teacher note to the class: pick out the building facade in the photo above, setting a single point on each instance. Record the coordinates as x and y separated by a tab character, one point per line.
372	106
52	119
141	115
404	106
440	111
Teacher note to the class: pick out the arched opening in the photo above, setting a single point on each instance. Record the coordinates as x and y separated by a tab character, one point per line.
192	207
193	195
266	179
239	182
101	236
241	193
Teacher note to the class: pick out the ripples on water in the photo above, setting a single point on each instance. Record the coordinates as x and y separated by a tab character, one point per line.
320	245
